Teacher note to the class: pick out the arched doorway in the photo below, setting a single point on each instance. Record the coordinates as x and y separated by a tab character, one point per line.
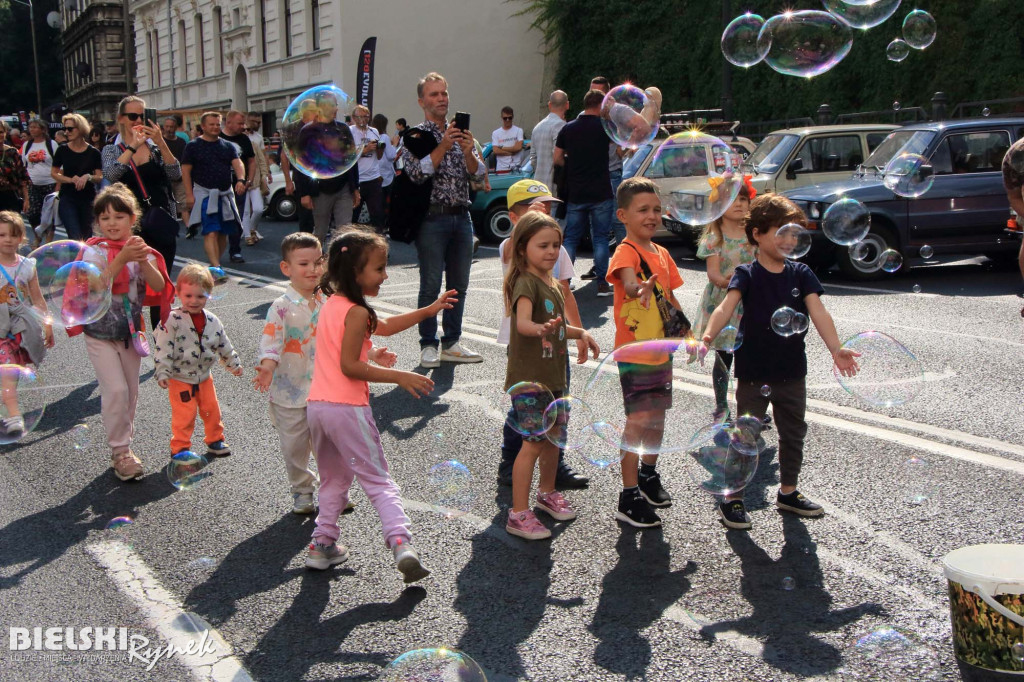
240	101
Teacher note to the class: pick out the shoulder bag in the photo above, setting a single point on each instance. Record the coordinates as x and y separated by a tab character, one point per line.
677	326
158	227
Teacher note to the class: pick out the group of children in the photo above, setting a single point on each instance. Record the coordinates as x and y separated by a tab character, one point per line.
316	357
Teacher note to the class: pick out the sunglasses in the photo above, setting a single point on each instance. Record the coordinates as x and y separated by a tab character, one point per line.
133	116
69	128
506	118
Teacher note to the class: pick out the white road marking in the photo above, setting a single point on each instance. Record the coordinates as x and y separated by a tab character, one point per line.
165	614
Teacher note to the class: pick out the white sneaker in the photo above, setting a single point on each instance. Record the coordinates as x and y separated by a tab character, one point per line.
407	559
302	503
459	353
429	357
14	425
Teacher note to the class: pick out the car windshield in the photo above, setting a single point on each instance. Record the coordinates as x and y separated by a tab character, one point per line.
633	163
911	141
678	161
771	153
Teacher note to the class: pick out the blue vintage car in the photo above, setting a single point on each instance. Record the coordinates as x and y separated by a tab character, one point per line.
490	209
964	212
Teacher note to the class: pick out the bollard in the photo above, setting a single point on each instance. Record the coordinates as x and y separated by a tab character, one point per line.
824	115
939	102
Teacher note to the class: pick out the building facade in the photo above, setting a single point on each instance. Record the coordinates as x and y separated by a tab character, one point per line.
260	54
98	56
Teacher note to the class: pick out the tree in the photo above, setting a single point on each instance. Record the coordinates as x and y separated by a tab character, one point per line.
17	80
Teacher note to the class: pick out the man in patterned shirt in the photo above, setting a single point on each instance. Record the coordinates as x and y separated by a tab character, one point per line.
444	242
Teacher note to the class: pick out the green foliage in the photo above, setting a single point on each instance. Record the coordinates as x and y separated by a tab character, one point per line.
17	79
676	46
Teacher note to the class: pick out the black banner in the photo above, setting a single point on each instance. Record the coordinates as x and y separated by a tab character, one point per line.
364	78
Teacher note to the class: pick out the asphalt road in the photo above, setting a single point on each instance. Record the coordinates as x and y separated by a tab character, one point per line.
597	602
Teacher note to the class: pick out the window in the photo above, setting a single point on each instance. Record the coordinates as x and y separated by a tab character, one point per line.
181	50
149	62
261	26
218	45
971	153
771	153
286	28
314	28
831	154
201	45
679	162
875	139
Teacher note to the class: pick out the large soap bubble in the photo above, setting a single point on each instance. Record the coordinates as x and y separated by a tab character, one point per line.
702	176
862	15
568	422
421	665
70	276
314	134
889	373
919	29
723	456
739	40
793	240
187	469
846	222
806	43
524	404
908	175
629	117
450	488
22	402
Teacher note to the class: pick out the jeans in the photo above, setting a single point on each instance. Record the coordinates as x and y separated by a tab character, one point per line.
599	215
235	236
76	214
325	205
789	403
444	246
371	193
618	229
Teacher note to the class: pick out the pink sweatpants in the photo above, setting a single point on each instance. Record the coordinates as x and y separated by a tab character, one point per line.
117	372
347	446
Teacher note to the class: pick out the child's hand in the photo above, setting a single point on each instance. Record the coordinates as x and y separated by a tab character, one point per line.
844	359
135	250
549	326
237	371
163	383
264	376
581	351
445	301
48	336
646	290
382	356
591	344
416	384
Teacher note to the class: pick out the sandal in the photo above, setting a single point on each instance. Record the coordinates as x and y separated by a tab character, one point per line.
127	466
251	241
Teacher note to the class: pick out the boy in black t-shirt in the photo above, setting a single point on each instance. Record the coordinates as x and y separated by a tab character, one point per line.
770	359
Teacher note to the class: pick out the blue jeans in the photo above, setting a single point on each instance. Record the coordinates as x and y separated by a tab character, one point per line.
599	216
76	214
445	247
235	235
618	229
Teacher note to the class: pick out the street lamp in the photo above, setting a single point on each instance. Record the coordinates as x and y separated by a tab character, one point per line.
35	53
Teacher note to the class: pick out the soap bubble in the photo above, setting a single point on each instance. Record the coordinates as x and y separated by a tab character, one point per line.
450	486
896	106
220	278
314	135
1018	651
793	240
600	447
799	323
22	402
723	455
421	665
524	405
889	373
846	222
766	390
728	340
919	29
897	50
70	276
920	480
890	260
739	40
782	321
703	192
80	437
565	422
186	469
806	43
927	251
119	522
859	251
916	288
908	175
986	111
866	15
884	644
795	292
788	584
629	117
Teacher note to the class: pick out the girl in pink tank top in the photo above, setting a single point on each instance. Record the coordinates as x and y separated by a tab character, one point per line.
345	437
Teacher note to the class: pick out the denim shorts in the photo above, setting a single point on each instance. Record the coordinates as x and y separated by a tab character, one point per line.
537	412
646	387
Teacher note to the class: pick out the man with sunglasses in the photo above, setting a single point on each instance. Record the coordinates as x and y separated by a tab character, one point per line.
507	142
370	181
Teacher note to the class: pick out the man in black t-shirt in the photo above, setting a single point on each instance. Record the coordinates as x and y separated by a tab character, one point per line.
234	132
589	202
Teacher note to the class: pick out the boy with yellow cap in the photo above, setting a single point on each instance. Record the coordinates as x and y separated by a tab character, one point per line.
532	195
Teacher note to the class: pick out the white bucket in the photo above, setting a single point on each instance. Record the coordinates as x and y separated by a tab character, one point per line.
986	600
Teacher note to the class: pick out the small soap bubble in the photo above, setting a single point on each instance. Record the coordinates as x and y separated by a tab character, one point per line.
421	665
119	522
795	292
602	445
314	134
450	486
916	288
890	260
859	251
565	422
220	279
629	117
927	251
920	482
728	340
793	241
846	222
782	321
524	405
788	584
204	563
908	175
186	469
80	437
739	40
897	50
799	323
986	112
919	29
896	106
23	399
766	390
1018	651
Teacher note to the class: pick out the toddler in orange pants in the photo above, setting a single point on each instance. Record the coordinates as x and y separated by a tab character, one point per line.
187	345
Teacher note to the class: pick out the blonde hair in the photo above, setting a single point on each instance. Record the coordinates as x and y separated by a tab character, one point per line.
196	274
83	125
208	114
527	226
15	221
431	77
712	232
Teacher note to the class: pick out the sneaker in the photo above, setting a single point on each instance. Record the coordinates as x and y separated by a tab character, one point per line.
429	357
567	478
259	237
322	557
526	525
650	488
218	448
459	353
505	472
192	231
251	241
634	510
349	507
237	258
14	425
127	466
556	506
798	504
407	559
734	514
604	289
302	503
589	274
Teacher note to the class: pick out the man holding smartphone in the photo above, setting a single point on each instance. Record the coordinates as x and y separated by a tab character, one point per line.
444	241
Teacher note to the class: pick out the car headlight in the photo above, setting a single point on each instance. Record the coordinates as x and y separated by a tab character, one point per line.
814	211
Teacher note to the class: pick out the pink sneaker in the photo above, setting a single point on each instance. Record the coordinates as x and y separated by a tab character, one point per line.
525	525
556	505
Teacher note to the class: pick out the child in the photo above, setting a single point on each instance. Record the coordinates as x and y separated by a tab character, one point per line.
537	353
523	196
24	340
138	277
643	388
345	437
187	345
767	358
724	245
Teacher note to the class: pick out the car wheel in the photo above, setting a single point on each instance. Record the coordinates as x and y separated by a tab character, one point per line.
869	268
497	224
283	206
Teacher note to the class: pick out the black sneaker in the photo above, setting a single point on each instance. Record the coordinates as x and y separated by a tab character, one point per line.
589	274
604	289
650	488
798	504
567	478
191	231
505	472
734	515
237	258
634	510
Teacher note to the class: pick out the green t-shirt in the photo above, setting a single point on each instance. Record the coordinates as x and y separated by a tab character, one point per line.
534	358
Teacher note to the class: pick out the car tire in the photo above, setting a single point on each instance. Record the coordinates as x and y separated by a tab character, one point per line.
878	240
283	206
497	224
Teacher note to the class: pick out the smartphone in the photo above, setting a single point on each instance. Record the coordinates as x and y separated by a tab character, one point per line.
461	120
149	116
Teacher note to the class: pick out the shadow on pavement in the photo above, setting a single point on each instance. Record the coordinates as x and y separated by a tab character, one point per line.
398	406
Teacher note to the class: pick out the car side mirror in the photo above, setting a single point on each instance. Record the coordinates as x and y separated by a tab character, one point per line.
794	167
926	171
